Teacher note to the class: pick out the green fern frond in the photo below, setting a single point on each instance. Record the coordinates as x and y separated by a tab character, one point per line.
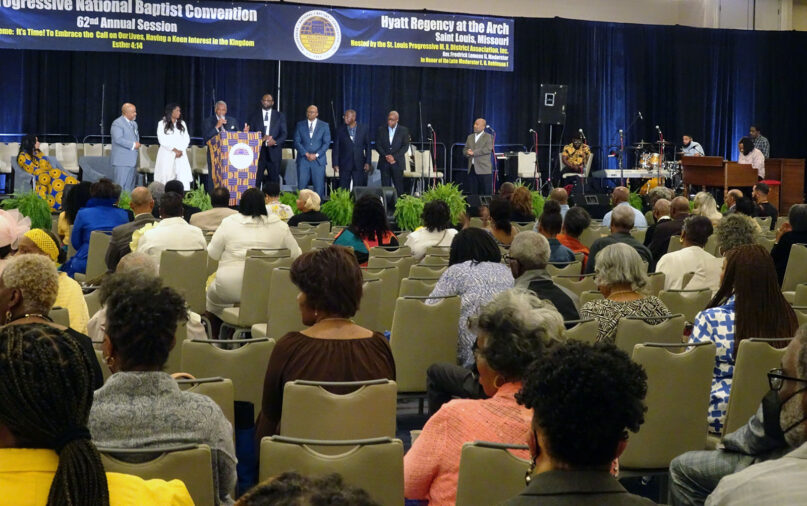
31	205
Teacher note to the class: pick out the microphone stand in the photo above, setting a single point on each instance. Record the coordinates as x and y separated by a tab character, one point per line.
661	156
535	144
495	163
103	98
433	148
621	155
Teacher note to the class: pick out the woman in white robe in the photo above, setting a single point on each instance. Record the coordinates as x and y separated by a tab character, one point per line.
172	158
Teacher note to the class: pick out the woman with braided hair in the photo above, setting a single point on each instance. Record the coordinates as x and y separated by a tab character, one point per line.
46	456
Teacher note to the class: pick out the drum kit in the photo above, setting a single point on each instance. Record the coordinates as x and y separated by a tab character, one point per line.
649	156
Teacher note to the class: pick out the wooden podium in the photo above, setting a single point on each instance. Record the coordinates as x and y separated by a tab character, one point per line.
234	161
790	173
714	171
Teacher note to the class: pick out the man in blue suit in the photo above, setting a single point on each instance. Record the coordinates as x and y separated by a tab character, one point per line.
351	152
125	146
312	138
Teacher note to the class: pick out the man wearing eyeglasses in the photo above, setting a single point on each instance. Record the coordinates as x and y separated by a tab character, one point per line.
765	441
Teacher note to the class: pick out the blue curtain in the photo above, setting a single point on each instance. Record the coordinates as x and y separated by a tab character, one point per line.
711	84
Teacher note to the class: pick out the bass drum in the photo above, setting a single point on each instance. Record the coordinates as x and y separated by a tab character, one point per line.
650	184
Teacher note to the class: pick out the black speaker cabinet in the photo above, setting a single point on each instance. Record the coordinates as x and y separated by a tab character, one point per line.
552	104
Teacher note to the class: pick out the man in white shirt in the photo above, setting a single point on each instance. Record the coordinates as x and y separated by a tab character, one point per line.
690	147
621	197
784	480
172	232
561	196
752	155
692	258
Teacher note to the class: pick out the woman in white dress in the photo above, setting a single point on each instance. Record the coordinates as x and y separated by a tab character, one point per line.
172	158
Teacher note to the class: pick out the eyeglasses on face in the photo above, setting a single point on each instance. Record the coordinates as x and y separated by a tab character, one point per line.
776	379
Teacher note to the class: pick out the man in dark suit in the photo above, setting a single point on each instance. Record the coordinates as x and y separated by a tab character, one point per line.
679	210
272	124
312	138
142	203
351	152
212	126
392	142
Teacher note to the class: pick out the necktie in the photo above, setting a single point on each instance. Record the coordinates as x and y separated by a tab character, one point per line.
266	116
310	128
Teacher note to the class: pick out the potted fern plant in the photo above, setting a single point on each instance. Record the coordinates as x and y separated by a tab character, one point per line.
451	194
31	205
198	198
290	199
339	209
408	212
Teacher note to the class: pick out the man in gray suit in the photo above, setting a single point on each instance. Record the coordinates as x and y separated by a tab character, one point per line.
125	146
478	147
142	204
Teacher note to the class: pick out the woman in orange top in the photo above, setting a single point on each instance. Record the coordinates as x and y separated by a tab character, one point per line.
513	331
576	221
369	228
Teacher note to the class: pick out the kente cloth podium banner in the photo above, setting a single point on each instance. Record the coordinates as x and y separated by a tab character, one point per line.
264	31
234	160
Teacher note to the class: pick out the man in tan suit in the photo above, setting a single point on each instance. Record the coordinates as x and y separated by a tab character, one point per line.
478	148
210	220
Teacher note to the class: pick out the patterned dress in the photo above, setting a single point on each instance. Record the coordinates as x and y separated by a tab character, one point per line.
716	325
476	283
608	313
50	181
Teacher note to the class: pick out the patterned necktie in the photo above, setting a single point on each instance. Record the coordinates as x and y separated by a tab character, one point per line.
310	128
265	116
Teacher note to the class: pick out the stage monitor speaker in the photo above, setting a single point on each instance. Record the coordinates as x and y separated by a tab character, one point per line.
597	204
387	195
552	105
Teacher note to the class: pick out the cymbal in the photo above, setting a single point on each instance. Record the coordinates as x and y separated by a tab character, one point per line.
642	144
665	143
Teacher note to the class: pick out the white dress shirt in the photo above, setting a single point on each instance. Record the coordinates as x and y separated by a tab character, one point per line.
756	159
267	120
170	233
706	267
421	239
312	125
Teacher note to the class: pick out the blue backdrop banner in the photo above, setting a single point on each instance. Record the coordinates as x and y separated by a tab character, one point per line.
260	31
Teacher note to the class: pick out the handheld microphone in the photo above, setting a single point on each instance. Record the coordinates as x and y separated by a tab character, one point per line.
582	134
429	126
640	115
532	131
491	128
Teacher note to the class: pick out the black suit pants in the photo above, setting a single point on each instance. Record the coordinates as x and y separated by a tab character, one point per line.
392	175
478	184
348	173
272	169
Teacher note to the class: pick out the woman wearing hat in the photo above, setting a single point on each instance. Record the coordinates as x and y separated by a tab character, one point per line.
70	295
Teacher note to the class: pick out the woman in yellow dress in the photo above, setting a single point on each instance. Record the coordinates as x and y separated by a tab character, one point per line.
50	181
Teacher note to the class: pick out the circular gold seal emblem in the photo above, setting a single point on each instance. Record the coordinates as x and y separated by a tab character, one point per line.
317	35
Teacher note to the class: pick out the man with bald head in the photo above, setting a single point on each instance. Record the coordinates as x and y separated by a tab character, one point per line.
125	146
661	213
679	211
478	147
621	197
392	142
731	200
561	196
621	224
312	138
142	204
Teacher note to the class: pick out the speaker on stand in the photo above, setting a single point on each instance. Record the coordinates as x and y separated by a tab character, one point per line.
552	113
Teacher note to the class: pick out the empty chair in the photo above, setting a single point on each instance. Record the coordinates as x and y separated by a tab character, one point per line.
147	158
426	271
368	411
795	272
582	330
422	335
416	286
576	284
96	256
376	465
678	389
91	149
245	366
186	272
67	154
441	259
304	240
655	283
390	284
687	302
371	295
402	263
632	330
489	473
190	464
283	311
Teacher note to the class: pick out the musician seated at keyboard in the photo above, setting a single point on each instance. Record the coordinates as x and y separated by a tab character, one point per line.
690	147
574	157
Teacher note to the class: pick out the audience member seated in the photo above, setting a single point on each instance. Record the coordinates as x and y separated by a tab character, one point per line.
271	190
654	195
140	406
746	206
621	197
529	255
332	348
705	205
661	213
561	196
142	204
621	225
70	296
521	206
734	230
291	488
368	229
779	481
550	224
178	187
250	228
793	231
764	208
29	286
748	304
436	229
731	200
171	232
584	399
506	191
45	449
575	221
308	204
694	475
513	330
100	213
134	261
500	227
476	274
49	182
679	210
621	278
157	190
12	226
692	258
75	197
210	220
